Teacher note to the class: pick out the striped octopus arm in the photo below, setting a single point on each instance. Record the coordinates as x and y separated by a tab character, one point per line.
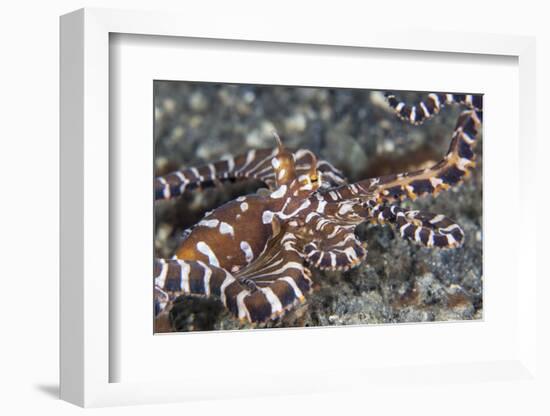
278	280
448	172
266	289
254	164
330	176
174	277
426	108
427	229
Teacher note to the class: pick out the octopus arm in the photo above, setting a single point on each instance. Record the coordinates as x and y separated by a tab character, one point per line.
427	229
448	172
254	164
430	105
266	289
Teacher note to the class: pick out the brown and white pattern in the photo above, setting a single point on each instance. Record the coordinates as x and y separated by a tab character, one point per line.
254	164
424	110
255	253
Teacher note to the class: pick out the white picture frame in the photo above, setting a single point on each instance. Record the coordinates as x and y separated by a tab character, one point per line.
87	357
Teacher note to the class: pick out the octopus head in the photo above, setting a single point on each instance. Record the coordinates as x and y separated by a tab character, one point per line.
299	183
283	164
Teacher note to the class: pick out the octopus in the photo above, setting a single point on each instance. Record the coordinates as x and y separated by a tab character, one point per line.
256	253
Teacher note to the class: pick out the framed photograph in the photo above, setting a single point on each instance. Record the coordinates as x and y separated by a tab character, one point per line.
274	196
347	145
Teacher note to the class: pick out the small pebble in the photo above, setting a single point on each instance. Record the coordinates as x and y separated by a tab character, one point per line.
296	124
249	97
169	105
377	98
198	102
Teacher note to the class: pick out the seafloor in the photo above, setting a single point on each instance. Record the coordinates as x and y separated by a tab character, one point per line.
196	123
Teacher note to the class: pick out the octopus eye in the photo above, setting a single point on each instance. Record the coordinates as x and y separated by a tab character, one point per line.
314	178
